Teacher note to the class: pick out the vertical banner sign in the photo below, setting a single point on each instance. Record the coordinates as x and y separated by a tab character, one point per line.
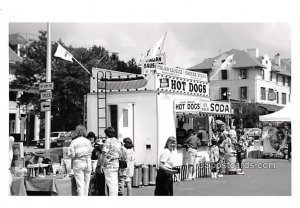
149	65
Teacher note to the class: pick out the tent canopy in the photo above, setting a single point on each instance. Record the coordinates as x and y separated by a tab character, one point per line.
282	115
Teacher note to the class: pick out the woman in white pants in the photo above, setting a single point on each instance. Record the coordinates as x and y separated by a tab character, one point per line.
111	153
80	150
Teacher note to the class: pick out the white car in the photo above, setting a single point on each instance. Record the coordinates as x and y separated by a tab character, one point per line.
53	137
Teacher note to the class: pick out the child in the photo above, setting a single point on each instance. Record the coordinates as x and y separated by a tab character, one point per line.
214	157
130	163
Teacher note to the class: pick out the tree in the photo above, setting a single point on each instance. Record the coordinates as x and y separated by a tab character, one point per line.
246	115
71	82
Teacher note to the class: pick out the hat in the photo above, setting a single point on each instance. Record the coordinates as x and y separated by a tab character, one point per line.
225	132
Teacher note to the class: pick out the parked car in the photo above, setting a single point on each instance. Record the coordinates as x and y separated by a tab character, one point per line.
254	133
66	140
53	139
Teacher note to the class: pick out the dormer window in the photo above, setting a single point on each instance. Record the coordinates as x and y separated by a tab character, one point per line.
243	73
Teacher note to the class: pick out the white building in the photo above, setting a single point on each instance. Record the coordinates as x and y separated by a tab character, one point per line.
247	76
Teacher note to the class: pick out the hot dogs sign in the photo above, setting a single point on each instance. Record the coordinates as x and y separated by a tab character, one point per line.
203	106
181	81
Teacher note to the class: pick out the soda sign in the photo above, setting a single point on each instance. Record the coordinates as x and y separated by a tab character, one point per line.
202	106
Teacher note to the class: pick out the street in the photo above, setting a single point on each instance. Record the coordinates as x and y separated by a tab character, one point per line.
256	182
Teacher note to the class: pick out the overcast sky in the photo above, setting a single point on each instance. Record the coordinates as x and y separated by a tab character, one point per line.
186	44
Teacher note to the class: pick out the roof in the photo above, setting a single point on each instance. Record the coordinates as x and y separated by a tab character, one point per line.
16	38
13	57
241	59
284	68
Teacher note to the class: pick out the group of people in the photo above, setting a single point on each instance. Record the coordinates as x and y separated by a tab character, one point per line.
109	153
226	141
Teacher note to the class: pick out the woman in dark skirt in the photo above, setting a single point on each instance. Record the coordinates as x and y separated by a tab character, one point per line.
164	180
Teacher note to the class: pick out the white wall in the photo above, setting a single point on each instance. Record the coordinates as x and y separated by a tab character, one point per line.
145	129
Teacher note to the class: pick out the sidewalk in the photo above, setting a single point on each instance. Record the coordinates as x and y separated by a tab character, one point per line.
256	182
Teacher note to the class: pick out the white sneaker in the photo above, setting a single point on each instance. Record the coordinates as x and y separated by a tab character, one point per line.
220	175
241	173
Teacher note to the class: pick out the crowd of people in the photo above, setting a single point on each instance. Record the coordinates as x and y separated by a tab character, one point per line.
224	141
116	159
111	174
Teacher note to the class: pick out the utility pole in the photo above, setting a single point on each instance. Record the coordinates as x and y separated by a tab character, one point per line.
48	79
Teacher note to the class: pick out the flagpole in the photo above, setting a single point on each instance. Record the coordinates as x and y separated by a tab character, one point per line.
48	79
82	66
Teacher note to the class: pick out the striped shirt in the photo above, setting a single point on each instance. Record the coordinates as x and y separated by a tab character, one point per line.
80	147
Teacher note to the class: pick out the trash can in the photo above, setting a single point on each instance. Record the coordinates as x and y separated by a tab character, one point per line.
145	170
230	161
140	175
135	178
152	172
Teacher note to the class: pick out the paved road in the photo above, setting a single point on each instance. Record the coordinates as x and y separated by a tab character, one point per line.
273	181
256	182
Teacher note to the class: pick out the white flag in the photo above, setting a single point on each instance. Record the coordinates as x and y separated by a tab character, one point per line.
156	49
63	53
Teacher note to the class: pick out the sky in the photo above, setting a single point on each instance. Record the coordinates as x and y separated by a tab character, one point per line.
186	44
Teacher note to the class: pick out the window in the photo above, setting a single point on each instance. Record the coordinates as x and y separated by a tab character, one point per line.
283	81
12	96
271	95
243	73
244	93
262	74
277	97
271	76
125	117
262	93
283	98
289	82
224	93
224	74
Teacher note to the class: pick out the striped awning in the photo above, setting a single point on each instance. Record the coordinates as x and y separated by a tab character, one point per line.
122	83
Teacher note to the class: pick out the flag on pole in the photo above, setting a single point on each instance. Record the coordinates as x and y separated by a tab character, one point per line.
156	49
63	53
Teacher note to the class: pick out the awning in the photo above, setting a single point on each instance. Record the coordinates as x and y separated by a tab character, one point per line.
270	108
281	115
122	83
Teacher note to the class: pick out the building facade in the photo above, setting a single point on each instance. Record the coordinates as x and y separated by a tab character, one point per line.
20	122
245	76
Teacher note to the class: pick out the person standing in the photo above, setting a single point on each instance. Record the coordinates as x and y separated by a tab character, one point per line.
100	178
181	134
191	144
164	179
11	155
129	171
240	147
80	150
213	157
110	164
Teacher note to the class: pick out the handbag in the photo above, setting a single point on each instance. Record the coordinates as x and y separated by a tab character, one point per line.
122	160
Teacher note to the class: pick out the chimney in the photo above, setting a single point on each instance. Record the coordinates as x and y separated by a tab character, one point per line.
277	59
253	52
